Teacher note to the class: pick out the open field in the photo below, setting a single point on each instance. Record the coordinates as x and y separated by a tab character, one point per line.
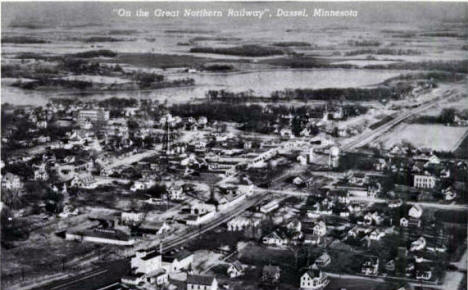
436	137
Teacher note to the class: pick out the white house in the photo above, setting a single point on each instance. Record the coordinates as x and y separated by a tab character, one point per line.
202	208
320	229
314	279
424	275
11	181
176	192
370	267
404	222
142	184
449	194
236	269
415	211
83	181
294	225
177	262
275	239
323	260
40	173
418	245
376	235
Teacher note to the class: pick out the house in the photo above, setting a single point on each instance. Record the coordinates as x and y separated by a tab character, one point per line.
302	159
323	260
418	245
390	266
176	192
340	195
83	181
423	275
298	181
314	279
410	222
40	173
415	211
320	229
236	269
177	262
404	222
370	267
142	184
271	274
312	239
286	133
433	160
371	218
41	124
376	235
294	225
445	173
202	208
197	219
357	178
202	121
380	165
198	282
152	229
449	194
395	203
373	189
11	181
276	238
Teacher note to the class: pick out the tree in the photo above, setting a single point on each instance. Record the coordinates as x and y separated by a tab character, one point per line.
447	116
157	190
296	126
12	198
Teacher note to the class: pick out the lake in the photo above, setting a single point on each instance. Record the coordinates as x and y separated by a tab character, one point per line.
260	82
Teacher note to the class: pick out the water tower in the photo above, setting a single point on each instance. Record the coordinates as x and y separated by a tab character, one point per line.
333	157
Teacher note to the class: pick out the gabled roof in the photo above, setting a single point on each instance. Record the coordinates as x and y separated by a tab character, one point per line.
177	256
200	280
270	269
313	271
237	266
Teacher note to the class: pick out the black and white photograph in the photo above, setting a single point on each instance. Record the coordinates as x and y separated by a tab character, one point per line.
215	145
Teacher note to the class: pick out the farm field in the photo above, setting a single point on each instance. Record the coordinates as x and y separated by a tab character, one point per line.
460	104
435	137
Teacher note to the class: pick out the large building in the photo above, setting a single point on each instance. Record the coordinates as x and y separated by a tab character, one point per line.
424	181
93	116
